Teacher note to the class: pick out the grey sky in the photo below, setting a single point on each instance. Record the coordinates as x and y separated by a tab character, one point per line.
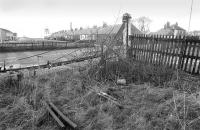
30	17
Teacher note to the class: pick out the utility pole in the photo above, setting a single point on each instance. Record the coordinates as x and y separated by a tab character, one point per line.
190	16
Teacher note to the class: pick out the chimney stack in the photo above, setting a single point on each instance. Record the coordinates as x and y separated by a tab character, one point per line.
71	26
168	24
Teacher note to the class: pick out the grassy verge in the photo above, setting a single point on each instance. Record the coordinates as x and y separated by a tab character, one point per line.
156	98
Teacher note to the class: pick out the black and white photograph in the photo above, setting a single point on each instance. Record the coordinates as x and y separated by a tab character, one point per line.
99	64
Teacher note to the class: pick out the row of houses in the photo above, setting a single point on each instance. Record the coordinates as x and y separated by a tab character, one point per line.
7	35
101	33
104	31
95	33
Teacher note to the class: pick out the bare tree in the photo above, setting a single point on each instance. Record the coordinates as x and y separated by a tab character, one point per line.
143	23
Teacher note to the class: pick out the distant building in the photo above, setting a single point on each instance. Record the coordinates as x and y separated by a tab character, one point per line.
6	35
195	33
46	33
173	29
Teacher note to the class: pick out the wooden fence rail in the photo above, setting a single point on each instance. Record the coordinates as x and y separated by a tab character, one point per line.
176	52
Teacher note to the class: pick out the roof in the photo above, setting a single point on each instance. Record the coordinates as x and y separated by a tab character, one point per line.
6	30
164	32
135	30
85	31
112	29
196	31
176	27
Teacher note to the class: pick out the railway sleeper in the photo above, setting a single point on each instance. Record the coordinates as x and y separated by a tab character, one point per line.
64	122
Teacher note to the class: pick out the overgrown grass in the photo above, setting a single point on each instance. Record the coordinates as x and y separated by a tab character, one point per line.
20	102
133	72
155	99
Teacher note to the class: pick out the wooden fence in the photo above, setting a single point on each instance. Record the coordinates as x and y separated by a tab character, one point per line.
176	52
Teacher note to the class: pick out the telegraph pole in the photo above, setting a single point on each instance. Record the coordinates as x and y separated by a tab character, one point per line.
190	15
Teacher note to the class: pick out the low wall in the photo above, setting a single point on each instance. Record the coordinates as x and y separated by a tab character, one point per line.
13	47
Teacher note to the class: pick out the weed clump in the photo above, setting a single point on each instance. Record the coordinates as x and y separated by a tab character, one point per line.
133	72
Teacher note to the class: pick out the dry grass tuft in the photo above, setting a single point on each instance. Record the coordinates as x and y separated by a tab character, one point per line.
136	73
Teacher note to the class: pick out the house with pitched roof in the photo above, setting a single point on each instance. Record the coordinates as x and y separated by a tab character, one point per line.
173	29
7	35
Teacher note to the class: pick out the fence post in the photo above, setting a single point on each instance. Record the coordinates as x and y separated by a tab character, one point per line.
127	31
131	48
182	52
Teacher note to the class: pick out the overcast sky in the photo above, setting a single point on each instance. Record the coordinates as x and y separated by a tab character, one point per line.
30	17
